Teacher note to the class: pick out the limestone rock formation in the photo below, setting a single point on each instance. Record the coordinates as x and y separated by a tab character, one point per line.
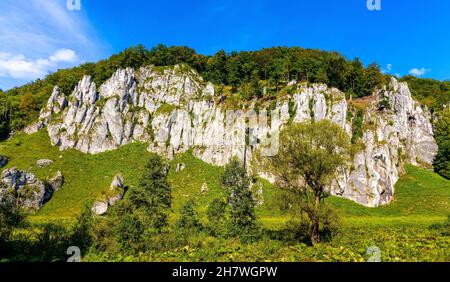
28	190
100	207
204	189
173	110
180	167
3	161
44	163
114	195
56	182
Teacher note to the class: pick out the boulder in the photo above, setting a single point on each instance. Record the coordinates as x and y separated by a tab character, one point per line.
180	167
3	161
100	207
117	182
114	195
44	163
56	182
29	191
204	189
117	190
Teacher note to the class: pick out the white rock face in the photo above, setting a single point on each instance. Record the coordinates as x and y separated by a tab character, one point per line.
100	208
173	109
114	195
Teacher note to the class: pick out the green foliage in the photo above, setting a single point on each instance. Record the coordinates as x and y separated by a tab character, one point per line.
129	232
242	204
357	123
152	198
52	243
442	136
10	216
217	217
307	162
82	231
399	229
4	116
189	220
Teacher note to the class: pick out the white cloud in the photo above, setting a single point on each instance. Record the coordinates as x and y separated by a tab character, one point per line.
20	67
419	72
389	67
39	36
64	55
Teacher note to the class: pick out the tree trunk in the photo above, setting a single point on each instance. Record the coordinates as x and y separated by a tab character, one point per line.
315	238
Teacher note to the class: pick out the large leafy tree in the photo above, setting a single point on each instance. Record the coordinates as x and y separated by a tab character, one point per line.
307	162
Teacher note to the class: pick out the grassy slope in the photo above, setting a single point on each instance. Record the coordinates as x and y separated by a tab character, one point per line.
422	197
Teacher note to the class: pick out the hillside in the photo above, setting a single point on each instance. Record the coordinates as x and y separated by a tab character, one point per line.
422	197
400	229
77	165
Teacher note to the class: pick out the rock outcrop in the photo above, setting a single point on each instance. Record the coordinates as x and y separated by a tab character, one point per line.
44	163
56	182
174	110
28	190
3	161
115	194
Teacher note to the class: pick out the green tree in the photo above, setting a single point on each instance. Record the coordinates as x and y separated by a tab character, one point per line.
129	232
373	79
152	198
307	162
189	220
11	216
355	79
442	135
82	231
217	218
4	116
242	204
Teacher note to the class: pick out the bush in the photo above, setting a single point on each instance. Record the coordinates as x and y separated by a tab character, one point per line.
82	231
10	216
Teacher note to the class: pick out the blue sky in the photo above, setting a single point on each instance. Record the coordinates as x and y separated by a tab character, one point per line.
40	36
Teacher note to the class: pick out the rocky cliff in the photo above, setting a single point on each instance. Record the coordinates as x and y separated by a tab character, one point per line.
174	110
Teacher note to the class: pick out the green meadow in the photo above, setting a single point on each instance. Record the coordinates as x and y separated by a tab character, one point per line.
411	228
